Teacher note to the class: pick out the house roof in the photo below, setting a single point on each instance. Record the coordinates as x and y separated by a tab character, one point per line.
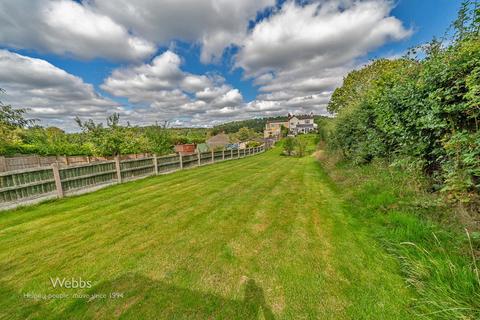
219	139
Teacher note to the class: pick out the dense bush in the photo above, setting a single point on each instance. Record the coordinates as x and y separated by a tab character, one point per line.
424	110
288	145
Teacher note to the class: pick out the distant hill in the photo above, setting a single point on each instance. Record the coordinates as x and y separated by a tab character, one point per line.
257	124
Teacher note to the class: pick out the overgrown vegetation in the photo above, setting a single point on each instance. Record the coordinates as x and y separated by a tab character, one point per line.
436	256
300	145
404	128
419	112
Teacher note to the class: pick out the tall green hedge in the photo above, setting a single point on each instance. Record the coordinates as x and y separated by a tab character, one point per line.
425	111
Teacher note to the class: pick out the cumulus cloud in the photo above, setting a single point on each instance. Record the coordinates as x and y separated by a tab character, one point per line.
51	94
67	27
325	34
166	90
215	24
300	54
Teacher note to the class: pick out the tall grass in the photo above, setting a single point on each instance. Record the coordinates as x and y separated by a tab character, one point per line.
436	256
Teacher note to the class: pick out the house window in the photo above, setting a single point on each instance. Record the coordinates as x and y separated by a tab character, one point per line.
307	121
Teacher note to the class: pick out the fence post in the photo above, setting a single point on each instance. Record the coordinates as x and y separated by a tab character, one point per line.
181	160
198	158
3	164
118	168
58	181
66	160
213	156
155	164
238	153
231	153
223	154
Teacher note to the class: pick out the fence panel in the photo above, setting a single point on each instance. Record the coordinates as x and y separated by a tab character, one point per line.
218	155
35	161
27	162
25	185
75	160
47	161
206	157
19	187
87	176
190	160
168	163
131	169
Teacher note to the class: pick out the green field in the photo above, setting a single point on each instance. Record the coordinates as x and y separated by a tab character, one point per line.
266	237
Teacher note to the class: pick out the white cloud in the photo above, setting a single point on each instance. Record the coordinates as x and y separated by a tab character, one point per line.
325	34
300	54
170	92
52	95
67	27
215	24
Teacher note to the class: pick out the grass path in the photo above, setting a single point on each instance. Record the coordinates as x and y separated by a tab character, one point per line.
265	237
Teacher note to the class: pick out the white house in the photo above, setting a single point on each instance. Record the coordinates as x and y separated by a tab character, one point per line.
301	124
296	125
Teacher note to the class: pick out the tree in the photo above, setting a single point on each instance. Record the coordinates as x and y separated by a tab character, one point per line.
105	141
159	139
301	146
12	121
13	118
245	134
289	145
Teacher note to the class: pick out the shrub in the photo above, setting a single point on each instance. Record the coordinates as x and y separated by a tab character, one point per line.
288	145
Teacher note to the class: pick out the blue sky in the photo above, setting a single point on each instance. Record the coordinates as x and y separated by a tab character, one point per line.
198	64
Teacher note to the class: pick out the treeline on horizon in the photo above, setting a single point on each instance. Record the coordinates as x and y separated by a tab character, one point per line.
421	113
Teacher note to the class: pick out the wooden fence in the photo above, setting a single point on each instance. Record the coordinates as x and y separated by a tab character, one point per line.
29	186
35	161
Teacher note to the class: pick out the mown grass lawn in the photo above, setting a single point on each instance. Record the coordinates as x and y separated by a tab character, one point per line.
264	237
